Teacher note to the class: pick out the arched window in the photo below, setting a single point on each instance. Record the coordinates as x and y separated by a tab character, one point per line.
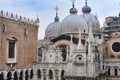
64	51
50	74
1	76
15	76
39	73
115	71
26	75
109	72
21	75
62	75
9	76
31	74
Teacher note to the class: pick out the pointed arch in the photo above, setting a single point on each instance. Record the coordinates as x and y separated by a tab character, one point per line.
26	75
2	76
62	75
9	75
50	74
21	75
15	75
39	73
31	74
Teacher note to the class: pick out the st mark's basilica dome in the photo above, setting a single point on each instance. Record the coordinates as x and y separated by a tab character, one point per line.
73	22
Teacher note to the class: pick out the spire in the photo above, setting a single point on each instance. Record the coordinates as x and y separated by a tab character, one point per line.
86	8
80	46
85	2
90	34
56	17
73	10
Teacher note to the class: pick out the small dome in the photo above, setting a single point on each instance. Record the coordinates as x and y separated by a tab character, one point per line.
72	23
94	20
86	9
53	29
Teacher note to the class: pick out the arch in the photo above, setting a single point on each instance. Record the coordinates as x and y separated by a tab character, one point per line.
64	51
15	75
116	72
21	75
62	75
2	76
50	74
31	74
26	75
38	73
9	75
109	72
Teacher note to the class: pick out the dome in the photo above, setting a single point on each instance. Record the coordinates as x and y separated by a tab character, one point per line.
53	29
94	21
86	9
72	23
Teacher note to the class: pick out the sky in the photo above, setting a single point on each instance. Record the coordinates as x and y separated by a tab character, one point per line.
45	9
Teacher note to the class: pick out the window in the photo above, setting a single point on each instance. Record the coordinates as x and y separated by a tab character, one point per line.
4	28
25	32
11	53
11	50
115	71
116	47
109	72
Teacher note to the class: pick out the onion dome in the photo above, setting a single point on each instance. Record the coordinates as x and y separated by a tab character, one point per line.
86	8
53	29
90	17
73	10
73	22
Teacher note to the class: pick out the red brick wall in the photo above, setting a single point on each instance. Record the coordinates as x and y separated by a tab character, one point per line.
26	46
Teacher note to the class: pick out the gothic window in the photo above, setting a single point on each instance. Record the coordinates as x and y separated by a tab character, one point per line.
21	75
11	53
15	76
109	72
50	74
31	74
62	75
64	51
115	71
39	73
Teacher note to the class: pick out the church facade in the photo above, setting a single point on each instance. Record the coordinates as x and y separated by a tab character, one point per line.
78	49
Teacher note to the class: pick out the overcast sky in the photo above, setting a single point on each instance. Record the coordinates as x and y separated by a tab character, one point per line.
45	9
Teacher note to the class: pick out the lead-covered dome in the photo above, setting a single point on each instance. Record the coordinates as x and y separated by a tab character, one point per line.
53	29
90	17
73	22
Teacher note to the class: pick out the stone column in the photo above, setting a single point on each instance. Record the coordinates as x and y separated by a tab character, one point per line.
59	75
18	76
54	75
47	75
42	75
24	75
12	77
111	71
